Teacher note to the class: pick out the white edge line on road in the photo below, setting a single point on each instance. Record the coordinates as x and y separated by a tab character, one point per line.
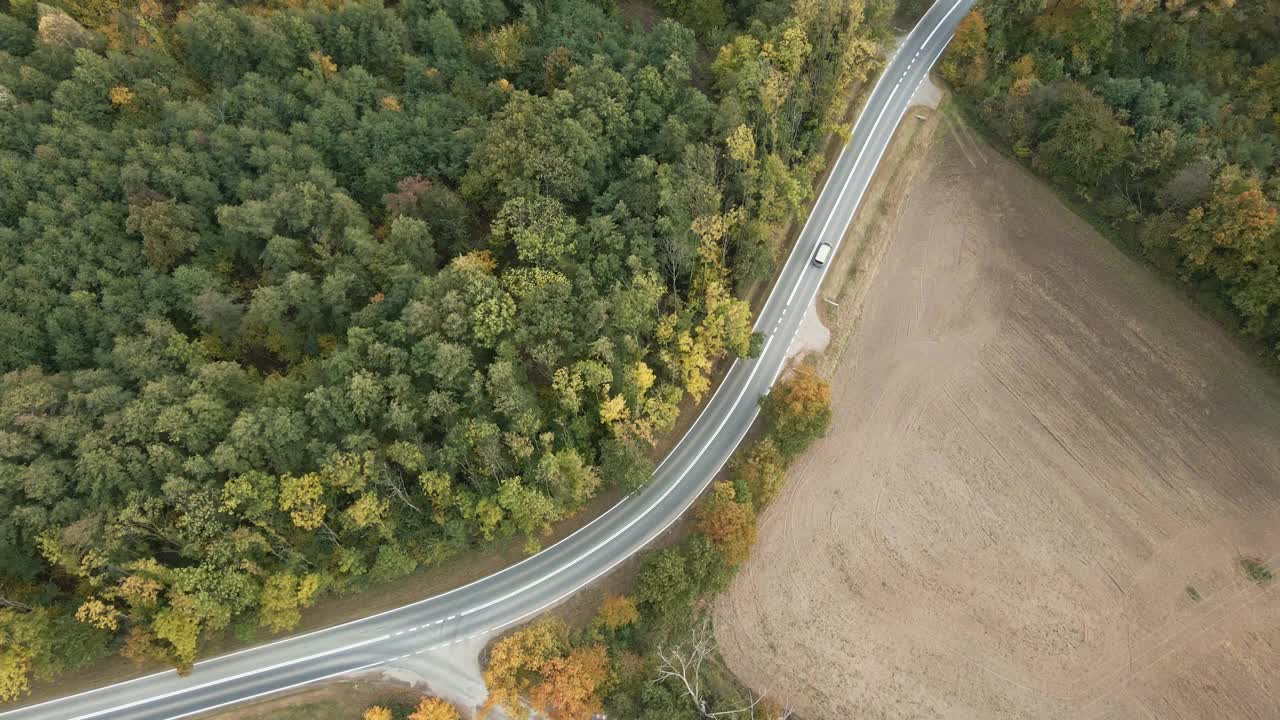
674	485
880	154
277	690
858	202
746	385
776	373
671	522
795	248
768	341
221	681
509	568
415	603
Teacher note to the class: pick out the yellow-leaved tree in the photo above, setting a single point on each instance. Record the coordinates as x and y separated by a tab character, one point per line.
617	611
433	708
516	661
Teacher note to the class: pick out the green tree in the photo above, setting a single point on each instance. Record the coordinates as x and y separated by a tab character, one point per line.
529	511
1086	142
797	410
703	16
279	605
179	625
539	228
533	147
761	470
167	231
1233	236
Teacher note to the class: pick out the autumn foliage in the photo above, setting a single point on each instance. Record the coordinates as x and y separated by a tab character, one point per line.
431	708
730	524
121	95
516	661
1231	235
1161	117
798	410
300	296
536	663
617	611
570	687
760	469
966	58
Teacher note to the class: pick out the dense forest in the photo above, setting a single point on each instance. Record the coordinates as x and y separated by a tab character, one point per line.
1162	116
300	296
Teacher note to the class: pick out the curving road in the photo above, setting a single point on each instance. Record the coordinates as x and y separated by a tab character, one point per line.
526	588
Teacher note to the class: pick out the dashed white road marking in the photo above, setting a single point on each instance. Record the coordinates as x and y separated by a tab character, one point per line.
452	617
276	690
245	674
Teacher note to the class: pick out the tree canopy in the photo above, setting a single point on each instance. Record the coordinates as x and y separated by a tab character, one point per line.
644	655
299	297
1163	117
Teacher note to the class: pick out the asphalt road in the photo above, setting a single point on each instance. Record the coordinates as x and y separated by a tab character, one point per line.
526	588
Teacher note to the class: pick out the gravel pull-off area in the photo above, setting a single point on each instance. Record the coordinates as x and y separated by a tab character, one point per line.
1044	469
812	335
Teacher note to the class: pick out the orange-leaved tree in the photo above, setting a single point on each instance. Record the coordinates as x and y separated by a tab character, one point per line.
731	525
516	661
570	689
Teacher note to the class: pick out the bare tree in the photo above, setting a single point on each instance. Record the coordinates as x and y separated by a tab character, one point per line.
392	480
329	534
683	664
15	605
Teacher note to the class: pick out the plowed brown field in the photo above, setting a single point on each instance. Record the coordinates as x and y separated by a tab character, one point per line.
1044	468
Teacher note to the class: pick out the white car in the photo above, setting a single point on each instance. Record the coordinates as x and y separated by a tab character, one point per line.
822	254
